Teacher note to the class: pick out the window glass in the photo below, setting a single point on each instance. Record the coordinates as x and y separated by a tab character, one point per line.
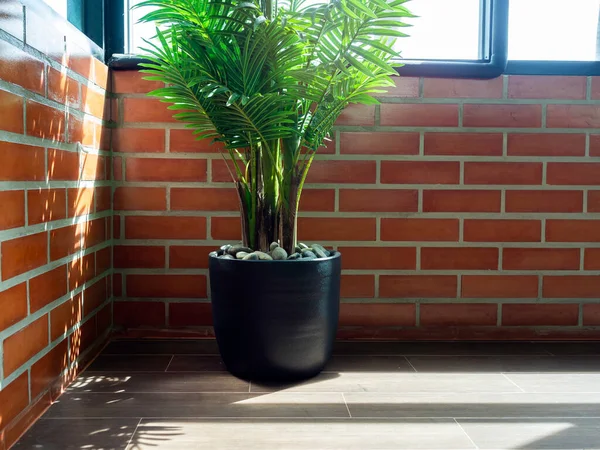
443	31
553	30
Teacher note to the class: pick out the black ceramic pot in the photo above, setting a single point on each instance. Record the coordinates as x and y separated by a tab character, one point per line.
275	320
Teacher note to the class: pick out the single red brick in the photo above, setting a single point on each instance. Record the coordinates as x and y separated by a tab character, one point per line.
92	101
14	397
13	209
139	257
226	228
81	271
166	286
466	258
572	230
358	286
139	169
377	315
93	167
554	87
573	173
342	172
184	141
24	344
503	173
104	319
141	140
420	172
478	230
540	258
404	87
93	232
471	314
135	314
591	314
88	132
419	229
376	143
190	314
94	296
64	241
189	257
21	162
529	144
467	144
45	371
418	286
573	116
11	113
461	201
221	170
379	200
356	114
540	314
462	88
100	71
132	82
19	67
117	168
23	254
45	122
13	304
497	116
102	196
544	201
62	88
204	199
116	227
146	110
140	199
575	286
80	201
336	229
63	165
103	260
46	205
46	288
592	259
379	258
593	201
419	115
117	285
499	286
165	227
84	337
317	200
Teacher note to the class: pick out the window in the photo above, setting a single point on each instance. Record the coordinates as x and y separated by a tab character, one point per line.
554	37
553	30
479	38
443	38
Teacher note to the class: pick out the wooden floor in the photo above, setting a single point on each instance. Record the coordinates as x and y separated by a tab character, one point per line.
156	395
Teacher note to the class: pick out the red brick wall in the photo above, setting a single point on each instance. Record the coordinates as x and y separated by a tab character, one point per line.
463	209
55	198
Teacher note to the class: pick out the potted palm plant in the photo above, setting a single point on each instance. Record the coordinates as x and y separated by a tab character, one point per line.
269	81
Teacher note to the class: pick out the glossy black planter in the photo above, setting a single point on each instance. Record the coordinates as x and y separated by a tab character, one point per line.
275	320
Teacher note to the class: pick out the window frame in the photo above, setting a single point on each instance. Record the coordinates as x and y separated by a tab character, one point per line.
493	45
